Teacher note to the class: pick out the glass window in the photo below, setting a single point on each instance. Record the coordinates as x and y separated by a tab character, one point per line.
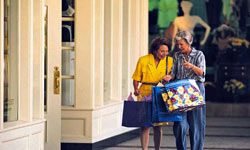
10	62
68	53
45	55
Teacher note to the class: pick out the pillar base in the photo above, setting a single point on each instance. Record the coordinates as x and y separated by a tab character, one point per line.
102	144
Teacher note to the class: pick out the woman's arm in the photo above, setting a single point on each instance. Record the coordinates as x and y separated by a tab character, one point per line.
198	71
136	90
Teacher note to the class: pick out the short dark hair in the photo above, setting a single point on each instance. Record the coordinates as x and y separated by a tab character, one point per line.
156	43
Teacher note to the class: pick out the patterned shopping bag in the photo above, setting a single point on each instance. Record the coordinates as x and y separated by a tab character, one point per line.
182	95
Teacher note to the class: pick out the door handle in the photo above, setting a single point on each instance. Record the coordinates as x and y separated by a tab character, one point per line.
57	80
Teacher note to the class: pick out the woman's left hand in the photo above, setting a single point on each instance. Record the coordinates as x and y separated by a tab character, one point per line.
187	65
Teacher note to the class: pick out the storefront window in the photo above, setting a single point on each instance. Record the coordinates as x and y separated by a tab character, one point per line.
226	47
10	62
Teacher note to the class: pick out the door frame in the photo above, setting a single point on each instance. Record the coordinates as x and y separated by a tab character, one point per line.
53	104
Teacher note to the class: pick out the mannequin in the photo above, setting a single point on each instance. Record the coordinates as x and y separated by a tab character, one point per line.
188	22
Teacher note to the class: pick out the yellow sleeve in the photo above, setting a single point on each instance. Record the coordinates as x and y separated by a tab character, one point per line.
138	71
170	65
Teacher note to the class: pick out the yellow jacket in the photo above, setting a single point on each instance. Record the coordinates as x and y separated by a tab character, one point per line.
147	72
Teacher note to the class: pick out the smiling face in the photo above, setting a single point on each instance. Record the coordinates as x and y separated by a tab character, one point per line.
162	52
183	46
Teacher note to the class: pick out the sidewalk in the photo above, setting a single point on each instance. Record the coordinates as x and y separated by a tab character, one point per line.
221	134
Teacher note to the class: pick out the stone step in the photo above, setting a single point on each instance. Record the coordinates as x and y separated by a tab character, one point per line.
221	134
228	121
212	142
216	131
228	109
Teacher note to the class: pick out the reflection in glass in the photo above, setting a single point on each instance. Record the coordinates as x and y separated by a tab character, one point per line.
68	62
68	92
10	62
68	33
68	8
68	53
45	55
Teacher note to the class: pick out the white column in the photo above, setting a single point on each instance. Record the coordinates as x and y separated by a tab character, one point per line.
108	47
143	27
139	33
38	68
126	52
116	59
84	53
1	63
135	34
26	60
99	53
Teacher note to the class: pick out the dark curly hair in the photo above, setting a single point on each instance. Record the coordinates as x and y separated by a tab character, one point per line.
156	43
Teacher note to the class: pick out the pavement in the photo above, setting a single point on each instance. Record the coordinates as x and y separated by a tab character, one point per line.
222	133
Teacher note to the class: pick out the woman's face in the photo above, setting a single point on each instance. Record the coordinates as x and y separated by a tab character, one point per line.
183	46
162	52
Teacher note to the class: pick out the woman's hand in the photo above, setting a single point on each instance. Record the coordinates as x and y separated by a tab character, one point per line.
136	92
166	79
188	65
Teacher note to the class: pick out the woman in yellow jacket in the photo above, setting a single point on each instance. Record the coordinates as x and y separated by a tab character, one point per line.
150	70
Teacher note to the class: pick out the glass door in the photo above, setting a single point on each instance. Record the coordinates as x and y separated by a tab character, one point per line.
68	53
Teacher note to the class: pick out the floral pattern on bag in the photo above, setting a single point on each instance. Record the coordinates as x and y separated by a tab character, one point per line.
182	98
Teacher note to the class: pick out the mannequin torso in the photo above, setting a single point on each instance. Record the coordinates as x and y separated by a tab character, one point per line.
188	22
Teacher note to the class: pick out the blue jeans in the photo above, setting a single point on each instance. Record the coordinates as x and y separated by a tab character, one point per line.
195	121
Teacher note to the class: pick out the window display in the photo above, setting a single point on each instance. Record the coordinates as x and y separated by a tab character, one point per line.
222	33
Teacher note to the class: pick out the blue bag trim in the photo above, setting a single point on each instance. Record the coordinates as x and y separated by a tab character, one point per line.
177	83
